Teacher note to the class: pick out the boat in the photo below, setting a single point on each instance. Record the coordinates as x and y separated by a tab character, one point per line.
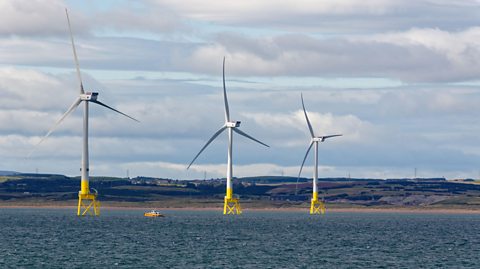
153	213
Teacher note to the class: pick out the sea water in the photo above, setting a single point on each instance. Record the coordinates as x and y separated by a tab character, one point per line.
56	238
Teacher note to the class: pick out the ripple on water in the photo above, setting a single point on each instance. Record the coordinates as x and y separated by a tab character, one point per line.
56	238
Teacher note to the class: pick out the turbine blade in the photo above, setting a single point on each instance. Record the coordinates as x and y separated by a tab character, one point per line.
304	158
208	143
70	110
111	108
227	110
306	117
238	131
330	136
77	66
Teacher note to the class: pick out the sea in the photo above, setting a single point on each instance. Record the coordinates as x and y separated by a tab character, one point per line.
57	238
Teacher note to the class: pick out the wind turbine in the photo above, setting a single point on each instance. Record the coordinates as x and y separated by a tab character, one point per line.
86	98
231	205
316	206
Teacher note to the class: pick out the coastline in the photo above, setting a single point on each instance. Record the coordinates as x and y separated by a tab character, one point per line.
419	210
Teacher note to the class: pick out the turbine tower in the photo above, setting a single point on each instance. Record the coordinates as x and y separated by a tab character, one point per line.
86	97
231	205
316	206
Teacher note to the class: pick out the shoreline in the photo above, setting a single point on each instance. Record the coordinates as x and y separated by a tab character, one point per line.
265	209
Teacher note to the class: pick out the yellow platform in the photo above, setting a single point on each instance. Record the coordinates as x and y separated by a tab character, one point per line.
316	206
231	206
91	207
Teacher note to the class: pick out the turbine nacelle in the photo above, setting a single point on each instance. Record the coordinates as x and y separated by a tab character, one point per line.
85	192
322	138
232	124
89	96
315	140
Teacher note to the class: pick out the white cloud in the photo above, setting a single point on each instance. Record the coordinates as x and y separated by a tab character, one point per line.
355	130
411	56
36	18
417	55
460	48
328	16
27	89
270	11
130	16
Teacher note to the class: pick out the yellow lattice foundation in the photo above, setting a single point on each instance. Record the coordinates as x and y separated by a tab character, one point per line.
231	205
88	204
316	206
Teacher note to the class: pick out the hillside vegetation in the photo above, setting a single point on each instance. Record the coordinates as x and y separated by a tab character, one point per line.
254	191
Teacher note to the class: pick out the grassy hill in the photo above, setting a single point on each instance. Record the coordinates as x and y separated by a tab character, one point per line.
254	191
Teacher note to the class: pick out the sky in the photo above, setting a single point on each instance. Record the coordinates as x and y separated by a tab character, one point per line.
399	79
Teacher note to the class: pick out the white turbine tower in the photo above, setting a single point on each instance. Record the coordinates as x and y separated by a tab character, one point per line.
316	206
231	205
86	98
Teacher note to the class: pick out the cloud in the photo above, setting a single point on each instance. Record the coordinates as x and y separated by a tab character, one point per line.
393	130
459	49
329	16
301	55
136	16
28	89
323	124
40	18
37	18
250	9
416	55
